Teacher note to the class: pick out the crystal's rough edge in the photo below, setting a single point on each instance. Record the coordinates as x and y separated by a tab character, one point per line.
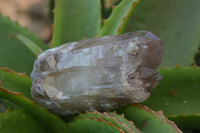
102	73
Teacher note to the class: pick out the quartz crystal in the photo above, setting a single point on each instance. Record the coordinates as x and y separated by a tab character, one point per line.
97	74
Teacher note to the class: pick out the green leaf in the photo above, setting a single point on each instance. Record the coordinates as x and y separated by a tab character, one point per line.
14	53
120	14
176	22
75	20
14	27
117	120
51	9
147	120
125	122
53	122
29	44
91	125
18	121
178	92
15	82
186	121
48	120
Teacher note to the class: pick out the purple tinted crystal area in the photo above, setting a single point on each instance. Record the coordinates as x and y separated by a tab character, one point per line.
103	73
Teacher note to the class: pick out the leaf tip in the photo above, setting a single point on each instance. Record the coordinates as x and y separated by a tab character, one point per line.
125	18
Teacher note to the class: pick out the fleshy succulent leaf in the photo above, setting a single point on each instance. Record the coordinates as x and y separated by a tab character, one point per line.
117	120
13	52
19	121
178	96
148	121
125	122
92	125
51	9
53	122
186	122
176	22
120	14
29	44
15	82
75	20
48	120
178	92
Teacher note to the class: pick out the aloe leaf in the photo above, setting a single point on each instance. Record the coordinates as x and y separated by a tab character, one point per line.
117	120
92	125
125	122
148	121
186	121
19	121
51	8
53	122
75	20
14	27
29	44
178	92
176	22
48	120
14	53
15	82
120	14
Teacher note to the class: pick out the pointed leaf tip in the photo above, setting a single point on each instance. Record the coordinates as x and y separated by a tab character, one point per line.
117	20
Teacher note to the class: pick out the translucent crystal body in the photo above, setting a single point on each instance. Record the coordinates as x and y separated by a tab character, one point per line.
103	73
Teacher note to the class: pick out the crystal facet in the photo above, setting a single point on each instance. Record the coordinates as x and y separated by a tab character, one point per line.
102	73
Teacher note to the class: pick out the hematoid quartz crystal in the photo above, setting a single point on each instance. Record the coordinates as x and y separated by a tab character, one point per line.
98	74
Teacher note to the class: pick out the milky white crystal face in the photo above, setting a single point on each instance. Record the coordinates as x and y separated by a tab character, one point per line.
103	73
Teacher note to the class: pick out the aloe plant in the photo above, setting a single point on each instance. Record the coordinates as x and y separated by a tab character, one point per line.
175	100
